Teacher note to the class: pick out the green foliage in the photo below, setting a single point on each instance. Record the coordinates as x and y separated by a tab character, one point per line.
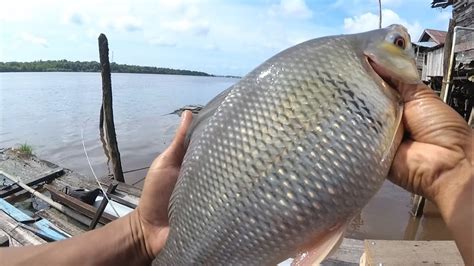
91	66
25	149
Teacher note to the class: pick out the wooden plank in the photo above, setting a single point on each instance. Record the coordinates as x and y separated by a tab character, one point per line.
14	212
46	177
62	208
123	200
125	188
24	237
44	226
4	239
11	241
78	205
348	253
399	252
51	230
61	221
38	232
14	242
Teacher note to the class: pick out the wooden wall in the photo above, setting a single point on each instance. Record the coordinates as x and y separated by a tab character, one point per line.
463	14
434	64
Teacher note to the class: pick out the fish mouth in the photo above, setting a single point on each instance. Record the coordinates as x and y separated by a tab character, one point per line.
384	75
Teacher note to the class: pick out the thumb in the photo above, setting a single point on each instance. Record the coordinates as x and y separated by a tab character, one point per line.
429	120
437	137
177	148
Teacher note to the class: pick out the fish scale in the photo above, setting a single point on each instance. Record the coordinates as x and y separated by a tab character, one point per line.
293	149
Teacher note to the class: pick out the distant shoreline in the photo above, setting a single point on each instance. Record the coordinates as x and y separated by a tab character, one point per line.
93	66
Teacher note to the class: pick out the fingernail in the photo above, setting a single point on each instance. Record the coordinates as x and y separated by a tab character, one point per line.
184	115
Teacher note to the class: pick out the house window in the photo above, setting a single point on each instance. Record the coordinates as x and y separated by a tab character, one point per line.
426	59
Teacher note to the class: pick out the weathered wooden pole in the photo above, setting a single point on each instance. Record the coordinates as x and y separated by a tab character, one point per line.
447	55
380	14
106	125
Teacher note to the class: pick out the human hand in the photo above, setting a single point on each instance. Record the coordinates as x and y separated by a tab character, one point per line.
438	150
435	161
151	215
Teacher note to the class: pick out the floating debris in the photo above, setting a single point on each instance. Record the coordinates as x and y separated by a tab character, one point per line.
193	108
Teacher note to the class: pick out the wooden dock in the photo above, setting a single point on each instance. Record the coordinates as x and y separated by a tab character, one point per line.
394	252
22	222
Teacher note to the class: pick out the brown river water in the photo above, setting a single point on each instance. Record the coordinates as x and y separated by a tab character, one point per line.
50	110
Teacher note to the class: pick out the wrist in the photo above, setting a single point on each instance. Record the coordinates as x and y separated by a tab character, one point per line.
139	238
455	204
456	188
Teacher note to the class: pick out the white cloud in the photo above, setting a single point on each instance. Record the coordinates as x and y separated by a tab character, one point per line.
198	27
178	5
292	8
73	37
163	42
211	46
184	17
353	4
370	21
390	2
92	33
14	11
123	23
33	39
74	17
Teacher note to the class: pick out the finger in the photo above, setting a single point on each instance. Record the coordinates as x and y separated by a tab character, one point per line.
411	92
417	170
429	120
180	136
175	152
410	157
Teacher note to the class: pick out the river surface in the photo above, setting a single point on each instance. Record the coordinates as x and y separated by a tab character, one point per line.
55	112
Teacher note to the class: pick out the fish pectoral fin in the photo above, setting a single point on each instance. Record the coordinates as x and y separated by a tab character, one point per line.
324	244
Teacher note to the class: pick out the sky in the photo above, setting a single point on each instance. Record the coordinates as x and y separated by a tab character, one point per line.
218	37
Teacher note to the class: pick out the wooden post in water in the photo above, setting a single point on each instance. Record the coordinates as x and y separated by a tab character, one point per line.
106	125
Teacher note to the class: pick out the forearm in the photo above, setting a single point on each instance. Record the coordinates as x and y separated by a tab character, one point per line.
455	204
118	243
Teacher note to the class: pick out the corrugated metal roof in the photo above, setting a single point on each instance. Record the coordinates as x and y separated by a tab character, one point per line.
425	44
438	36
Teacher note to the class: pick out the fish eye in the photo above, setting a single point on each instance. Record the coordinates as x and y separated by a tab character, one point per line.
399	41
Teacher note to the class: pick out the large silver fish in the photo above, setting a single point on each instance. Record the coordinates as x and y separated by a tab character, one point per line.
280	162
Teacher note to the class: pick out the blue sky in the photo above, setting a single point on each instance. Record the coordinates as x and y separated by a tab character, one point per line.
219	37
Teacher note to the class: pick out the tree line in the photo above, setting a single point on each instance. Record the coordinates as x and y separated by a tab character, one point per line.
90	66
